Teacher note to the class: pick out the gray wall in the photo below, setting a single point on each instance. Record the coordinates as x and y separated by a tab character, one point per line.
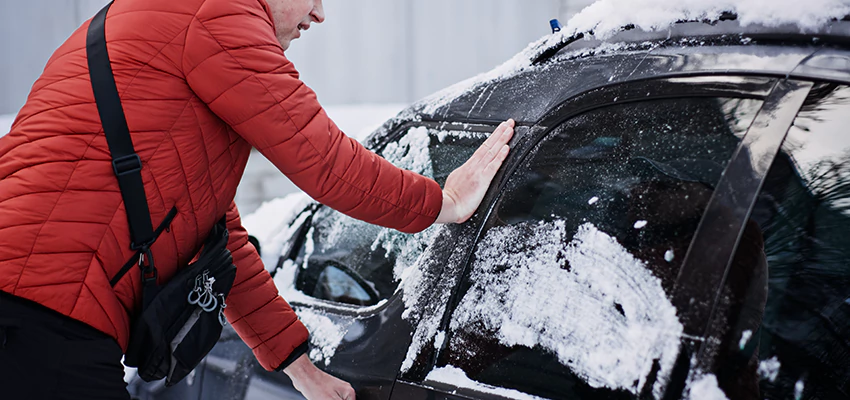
30	30
368	51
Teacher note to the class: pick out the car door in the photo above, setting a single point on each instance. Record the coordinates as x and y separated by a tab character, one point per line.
350	282
782	317
568	291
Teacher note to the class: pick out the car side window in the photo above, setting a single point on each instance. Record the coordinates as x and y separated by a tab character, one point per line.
788	329
344	260
568	290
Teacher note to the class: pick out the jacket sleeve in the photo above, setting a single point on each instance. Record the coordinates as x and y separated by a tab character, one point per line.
263	319
234	63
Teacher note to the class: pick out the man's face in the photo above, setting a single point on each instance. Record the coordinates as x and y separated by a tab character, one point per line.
293	16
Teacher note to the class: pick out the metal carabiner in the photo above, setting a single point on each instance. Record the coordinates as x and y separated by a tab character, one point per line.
221	318
210	303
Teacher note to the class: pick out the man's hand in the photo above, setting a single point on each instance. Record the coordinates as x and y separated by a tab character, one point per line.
315	384
466	186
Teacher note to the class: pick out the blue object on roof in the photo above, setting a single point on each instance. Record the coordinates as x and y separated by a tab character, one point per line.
556	25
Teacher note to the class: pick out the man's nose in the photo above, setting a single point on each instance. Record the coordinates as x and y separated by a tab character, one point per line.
318	13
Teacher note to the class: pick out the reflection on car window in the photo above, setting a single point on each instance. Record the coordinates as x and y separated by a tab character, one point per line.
349	261
792	340
567	296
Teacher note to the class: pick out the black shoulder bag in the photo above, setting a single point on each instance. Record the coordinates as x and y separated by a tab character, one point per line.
180	321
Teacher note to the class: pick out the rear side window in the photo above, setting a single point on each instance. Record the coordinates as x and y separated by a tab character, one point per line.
789	335
568	291
344	260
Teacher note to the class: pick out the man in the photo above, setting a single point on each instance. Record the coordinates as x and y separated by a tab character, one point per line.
201	83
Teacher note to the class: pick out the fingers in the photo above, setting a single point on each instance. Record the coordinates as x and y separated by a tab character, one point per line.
496	162
346	393
490	148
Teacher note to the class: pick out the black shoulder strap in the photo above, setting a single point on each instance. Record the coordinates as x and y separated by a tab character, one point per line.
125	161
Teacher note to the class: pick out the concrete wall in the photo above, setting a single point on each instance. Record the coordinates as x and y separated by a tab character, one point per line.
30	30
368	51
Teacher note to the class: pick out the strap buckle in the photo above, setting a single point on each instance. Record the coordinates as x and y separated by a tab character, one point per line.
127	165
149	272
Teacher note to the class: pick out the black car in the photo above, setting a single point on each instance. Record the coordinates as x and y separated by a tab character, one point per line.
673	222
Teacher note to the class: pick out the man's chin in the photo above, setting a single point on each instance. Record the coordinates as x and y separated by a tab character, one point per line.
284	43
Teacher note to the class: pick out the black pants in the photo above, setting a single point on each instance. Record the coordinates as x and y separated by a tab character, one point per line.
46	355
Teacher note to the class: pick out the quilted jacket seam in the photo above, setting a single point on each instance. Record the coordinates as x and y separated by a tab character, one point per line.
50	214
285	329
186	180
96	300
252	312
47	85
209	161
262	342
147	63
89	102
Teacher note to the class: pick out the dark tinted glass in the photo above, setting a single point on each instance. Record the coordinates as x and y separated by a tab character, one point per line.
568	293
788	329
349	261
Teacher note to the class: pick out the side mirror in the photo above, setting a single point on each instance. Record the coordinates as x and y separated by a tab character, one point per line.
328	280
336	285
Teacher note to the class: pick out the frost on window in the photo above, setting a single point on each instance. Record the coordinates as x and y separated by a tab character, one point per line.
348	261
587	301
568	292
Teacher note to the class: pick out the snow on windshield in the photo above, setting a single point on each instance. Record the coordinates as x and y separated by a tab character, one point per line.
607	17
610	321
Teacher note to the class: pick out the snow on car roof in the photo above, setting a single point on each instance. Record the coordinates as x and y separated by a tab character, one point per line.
607	17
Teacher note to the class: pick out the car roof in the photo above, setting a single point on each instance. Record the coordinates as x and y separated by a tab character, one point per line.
559	67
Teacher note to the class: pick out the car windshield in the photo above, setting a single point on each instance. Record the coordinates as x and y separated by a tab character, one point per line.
350	261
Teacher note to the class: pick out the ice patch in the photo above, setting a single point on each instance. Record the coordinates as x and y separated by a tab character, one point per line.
456	377
769	369
798	389
325	334
705	387
439	339
745	338
273	224
610	321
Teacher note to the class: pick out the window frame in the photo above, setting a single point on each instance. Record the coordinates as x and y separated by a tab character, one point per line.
701	85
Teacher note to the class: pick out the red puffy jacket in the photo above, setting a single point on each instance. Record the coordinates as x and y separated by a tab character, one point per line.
201	81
